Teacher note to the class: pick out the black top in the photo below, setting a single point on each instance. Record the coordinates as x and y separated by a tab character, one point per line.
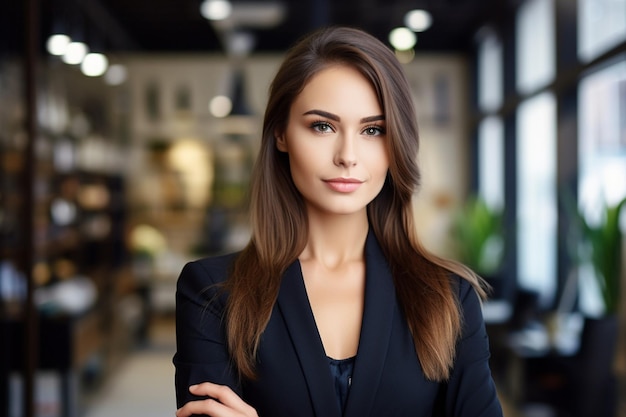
341	370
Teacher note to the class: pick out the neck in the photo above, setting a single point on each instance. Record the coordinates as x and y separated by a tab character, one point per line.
335	240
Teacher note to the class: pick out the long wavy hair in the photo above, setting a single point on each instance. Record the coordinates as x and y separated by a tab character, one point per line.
279	221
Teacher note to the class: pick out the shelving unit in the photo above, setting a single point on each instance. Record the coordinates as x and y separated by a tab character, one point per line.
80	258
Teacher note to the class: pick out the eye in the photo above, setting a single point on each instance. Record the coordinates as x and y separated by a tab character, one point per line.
322	127
374	130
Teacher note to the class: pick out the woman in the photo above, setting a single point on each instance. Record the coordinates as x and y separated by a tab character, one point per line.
333	308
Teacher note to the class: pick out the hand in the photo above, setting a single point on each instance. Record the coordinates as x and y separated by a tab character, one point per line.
222	402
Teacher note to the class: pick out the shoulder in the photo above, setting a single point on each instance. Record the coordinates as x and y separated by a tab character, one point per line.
462	287
202	279
469	304
211	270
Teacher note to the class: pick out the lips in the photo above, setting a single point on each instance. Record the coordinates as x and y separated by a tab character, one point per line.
343	185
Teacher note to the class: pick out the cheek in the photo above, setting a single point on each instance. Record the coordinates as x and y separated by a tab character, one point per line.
302	166
379	162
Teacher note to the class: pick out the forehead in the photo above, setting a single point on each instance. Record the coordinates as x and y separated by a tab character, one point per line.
339	88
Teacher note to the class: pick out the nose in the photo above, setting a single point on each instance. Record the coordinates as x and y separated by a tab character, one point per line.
345	154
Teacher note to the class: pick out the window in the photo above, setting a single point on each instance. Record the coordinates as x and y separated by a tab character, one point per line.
491	162
601	26
535	45
489	72
491	129
537	200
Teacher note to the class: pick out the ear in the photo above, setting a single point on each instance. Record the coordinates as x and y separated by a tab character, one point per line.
281	142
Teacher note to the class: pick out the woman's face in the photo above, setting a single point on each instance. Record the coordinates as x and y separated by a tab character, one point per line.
336	141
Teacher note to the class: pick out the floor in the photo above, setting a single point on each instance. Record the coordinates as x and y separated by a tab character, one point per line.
142	384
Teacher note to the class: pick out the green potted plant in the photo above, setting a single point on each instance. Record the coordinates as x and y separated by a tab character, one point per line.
478	238
602	248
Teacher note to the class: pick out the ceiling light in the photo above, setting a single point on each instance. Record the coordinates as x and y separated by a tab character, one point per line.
259	15
216	9
75	53
402	38
418	20
94	64
57	44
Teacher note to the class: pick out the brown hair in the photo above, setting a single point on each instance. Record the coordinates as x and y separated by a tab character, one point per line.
279	222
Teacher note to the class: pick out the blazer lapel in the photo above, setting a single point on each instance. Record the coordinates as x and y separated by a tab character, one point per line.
375	331
298	316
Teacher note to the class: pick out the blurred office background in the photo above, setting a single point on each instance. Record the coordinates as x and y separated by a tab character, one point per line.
124	160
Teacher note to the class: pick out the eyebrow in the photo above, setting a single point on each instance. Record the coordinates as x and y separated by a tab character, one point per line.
336	118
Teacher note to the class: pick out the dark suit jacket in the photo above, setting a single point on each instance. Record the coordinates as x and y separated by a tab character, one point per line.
294	378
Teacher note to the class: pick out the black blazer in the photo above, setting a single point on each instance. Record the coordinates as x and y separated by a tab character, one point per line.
294	378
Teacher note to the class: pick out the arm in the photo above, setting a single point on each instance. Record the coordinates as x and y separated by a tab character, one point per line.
221	401
201	358
471	391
